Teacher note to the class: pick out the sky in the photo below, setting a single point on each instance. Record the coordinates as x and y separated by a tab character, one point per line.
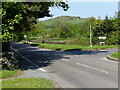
86	9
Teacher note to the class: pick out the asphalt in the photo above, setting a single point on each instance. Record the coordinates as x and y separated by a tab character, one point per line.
70	69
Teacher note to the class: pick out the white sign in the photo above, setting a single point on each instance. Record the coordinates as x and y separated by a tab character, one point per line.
102	37
25	36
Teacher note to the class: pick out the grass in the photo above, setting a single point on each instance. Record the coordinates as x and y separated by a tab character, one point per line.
59	39
77	47
8	74
116	55
28	83
73	47
72	21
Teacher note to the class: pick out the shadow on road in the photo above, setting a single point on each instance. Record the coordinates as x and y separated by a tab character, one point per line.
41	57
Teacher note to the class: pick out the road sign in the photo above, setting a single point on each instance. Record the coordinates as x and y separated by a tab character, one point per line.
102	37
25	36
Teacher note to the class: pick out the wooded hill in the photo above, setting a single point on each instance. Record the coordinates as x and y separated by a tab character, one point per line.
68	19
77	27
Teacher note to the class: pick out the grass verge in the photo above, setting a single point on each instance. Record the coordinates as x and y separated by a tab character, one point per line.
28	83
9	74
75	47
72	47
116	55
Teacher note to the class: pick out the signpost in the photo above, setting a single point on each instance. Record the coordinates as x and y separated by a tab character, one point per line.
102	37
90	37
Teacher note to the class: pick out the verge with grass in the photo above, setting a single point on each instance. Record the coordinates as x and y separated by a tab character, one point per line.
75	47
28	83
9	73
116	55
72	46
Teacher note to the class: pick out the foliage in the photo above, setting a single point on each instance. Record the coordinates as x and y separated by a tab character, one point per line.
37	32
61	30
67	26
28	83
79	41
21	16
109	28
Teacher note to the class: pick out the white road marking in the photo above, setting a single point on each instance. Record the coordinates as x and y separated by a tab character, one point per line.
104	58
92	67
42	70
64	59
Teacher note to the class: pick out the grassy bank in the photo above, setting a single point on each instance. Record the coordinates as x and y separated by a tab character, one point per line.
9	74
73	47
116	55
27	83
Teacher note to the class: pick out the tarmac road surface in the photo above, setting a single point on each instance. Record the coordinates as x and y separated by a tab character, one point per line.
71	69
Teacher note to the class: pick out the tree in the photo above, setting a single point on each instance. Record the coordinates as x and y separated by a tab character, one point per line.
38	31
61	30
18	17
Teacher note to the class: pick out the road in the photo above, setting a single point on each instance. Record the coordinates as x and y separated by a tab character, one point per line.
71	69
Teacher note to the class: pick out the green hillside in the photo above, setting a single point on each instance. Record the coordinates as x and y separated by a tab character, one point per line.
69	19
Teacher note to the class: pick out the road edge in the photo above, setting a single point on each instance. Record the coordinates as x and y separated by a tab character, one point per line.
111	58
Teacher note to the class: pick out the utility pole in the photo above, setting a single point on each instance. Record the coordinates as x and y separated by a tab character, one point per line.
90	37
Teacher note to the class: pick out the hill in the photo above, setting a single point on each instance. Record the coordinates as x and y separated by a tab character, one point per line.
69	19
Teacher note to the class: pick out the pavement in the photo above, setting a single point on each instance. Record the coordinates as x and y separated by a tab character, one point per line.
70	69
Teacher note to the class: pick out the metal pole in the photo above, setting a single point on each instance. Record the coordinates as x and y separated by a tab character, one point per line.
90	37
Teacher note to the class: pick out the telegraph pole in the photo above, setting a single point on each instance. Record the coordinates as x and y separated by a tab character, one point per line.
90	37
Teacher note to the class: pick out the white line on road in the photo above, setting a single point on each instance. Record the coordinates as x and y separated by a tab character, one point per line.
105	58
92	67
64	59
41	69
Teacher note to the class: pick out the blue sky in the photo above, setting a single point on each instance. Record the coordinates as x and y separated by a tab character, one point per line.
86	9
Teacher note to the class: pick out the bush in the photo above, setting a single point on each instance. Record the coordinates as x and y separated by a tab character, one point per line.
79	41
113	38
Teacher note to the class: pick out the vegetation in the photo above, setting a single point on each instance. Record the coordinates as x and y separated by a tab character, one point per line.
116	55
72	46
27	83
9	73
78	29
20	17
